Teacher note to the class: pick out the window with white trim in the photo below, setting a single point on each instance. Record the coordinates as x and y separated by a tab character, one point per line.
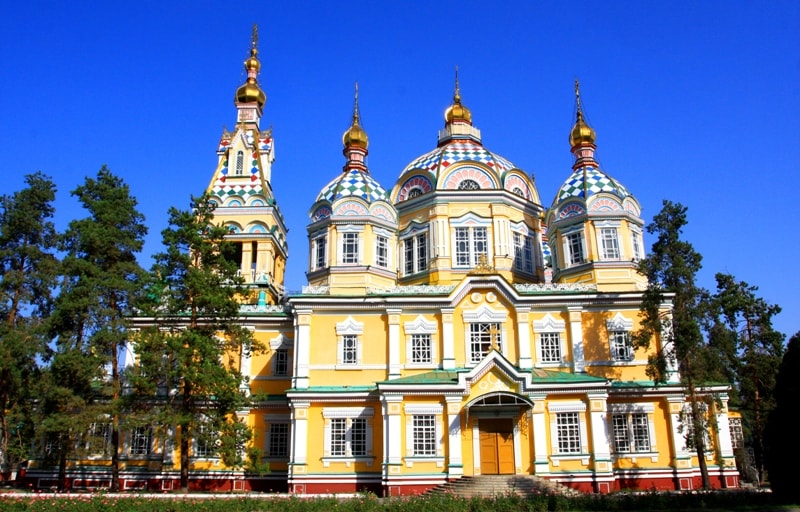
415	254
424	435
382	251
636	243
483	336
468	185
550	338
737	433
568	432
420	348
574	250
620	343
239	163
523	253
277	440
350	242
470	244
206	443
349	349
319	252
348	432
609	244
280	362
98	438
141	441
349	333
631	432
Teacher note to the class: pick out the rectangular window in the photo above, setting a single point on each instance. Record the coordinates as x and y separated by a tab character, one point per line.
281	361
141	440
415	254
422	252
358	437
482	338
610	243
575	248
737	433
349	248
621	346
408	256
382	251
631	433
424	435
206	443
550	347
278	445
523	253
99	438
319	253
568	430
462	247
421	348
636	240
338	437
350	349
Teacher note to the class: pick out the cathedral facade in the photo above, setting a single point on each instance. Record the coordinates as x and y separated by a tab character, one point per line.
453	325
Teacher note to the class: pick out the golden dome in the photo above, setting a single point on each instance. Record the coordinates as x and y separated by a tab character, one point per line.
250	92
355	136
457	111
581	133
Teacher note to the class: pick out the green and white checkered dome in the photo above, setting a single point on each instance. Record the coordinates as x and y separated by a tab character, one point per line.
587	181
356	184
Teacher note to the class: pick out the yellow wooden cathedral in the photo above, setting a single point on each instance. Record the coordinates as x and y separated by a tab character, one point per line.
453	325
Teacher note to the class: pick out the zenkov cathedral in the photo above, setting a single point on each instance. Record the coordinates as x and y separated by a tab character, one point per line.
453	325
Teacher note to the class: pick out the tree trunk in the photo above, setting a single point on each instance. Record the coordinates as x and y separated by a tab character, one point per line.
115	422
698	426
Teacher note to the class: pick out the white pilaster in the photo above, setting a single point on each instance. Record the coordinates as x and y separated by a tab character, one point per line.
541	462
601	438
576	335
394	342
455	463
302	348
392	434
299	442
448	350
524	338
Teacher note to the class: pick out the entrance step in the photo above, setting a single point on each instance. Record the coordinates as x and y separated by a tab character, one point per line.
493	485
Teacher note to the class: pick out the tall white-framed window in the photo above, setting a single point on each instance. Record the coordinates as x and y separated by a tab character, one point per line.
349	334
239	163
470	244
632	428
319	252
420	346
523	253
609	243
568	429
98	438
206	443
550	338
350	243
636	244
484	332
424	431
141	441
737	432
574	248
382	251
415	253
619	338
348	433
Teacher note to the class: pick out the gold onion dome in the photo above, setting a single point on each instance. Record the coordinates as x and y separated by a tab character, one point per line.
581	133
250	92
457	111
355	135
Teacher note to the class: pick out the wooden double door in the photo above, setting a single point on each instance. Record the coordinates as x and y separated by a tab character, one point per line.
497	446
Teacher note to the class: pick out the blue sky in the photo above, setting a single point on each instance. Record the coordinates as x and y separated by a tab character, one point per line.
694	102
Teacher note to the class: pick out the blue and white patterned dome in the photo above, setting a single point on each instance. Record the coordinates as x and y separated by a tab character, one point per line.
587	181
356	184
455	152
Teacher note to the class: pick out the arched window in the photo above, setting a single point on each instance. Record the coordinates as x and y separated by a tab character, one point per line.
239	163
414	192
468	185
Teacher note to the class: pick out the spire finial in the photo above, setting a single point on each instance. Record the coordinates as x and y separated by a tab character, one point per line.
255	35
355	136
356	117
578	96
457	94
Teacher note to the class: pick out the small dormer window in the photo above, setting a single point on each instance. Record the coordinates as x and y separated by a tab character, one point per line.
468	185
414	192
239	163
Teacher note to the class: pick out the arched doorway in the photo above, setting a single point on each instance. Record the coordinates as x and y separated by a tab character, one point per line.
496	445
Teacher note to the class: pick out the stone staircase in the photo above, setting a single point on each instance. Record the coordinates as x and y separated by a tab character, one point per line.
492	485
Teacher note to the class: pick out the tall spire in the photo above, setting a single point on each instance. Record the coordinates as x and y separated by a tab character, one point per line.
250	92
581	134
457	112
355	136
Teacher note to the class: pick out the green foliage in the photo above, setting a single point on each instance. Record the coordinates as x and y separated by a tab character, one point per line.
28	274
189	357
782	449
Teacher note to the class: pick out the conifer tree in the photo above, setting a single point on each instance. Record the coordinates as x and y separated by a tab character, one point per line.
751	351
101	281
671	268
28	273
188	360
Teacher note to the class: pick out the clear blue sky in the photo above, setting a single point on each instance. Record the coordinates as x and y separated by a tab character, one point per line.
696	102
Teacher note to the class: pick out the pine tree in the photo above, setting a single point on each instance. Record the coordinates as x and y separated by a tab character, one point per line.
741	332
187	360
671	268
782	451
28	268
101	281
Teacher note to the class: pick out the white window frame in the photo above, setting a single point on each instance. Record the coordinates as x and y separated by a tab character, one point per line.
209	450
549	325
561	416
608	241
483	316
427	411
737	432
98	435
350	253
239	169
619	327
381	251
637	244
417	246
347	331
627	412
347	417
420	326
135	447
319	252
571	240
524	258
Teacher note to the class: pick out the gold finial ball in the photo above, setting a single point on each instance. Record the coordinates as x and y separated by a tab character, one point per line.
252	62
581	133
250	92
457	112
355	136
